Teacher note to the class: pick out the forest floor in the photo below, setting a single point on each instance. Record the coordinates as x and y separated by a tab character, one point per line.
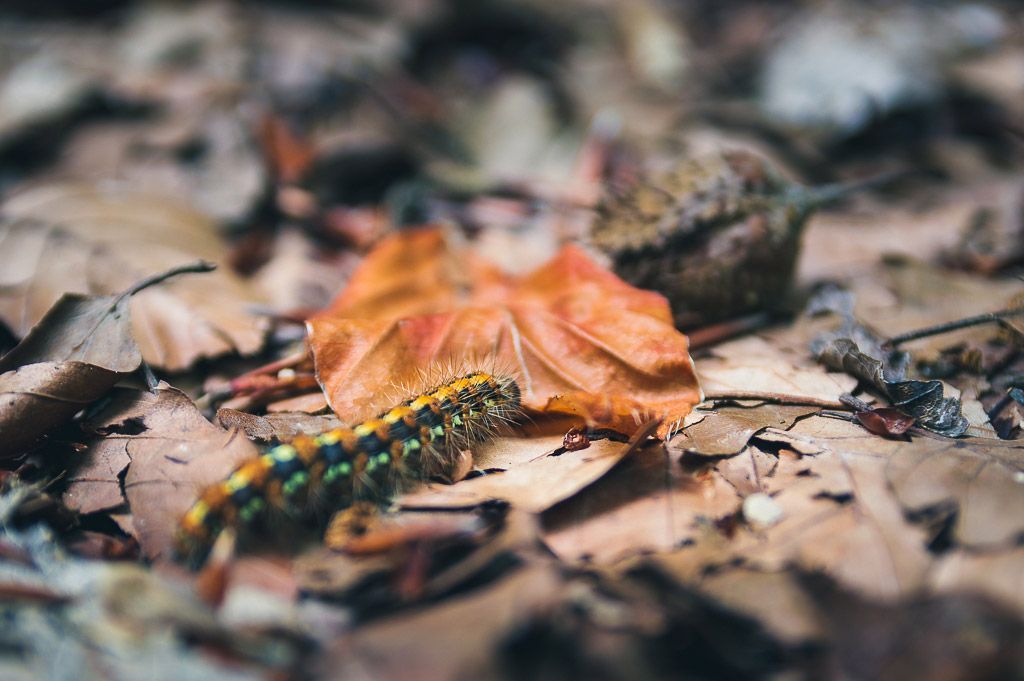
670	295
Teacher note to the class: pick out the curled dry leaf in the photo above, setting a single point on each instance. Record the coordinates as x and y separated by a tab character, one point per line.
864	359
569	330
73	356
171	452
97	240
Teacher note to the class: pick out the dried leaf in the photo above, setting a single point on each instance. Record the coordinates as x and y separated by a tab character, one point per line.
838	513
753	364
72	357
453	640
37	398
924	400
979	477
998	575
79	238
726	430
279	426
569	327
639	506
171	453
531	478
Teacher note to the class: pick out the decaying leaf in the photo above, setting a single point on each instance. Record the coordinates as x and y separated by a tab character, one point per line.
837	513
854	350
98	240
885	421
979	477
170	451
570	327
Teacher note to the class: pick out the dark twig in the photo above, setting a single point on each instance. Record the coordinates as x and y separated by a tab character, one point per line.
977	320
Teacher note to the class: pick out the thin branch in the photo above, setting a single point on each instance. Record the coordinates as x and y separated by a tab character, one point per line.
775	398
977	320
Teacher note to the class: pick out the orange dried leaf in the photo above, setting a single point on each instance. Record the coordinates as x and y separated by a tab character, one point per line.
569	329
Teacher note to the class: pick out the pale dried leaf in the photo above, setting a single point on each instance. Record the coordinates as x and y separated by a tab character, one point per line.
642	505
282	426
726	430
172	452
999	575
532	484
752	364
79	238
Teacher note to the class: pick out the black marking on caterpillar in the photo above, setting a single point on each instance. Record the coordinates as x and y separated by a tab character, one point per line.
412	441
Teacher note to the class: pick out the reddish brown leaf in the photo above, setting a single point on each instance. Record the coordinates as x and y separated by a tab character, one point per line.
885	421
569	329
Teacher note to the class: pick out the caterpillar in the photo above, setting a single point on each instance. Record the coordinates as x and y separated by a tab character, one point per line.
370	461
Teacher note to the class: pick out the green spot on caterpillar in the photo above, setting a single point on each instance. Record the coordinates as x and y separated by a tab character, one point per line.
251	510
334	473
295	483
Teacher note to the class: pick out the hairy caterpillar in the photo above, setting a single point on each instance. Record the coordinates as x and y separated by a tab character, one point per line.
369	461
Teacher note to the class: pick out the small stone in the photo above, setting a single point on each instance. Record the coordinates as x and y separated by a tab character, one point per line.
760	511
